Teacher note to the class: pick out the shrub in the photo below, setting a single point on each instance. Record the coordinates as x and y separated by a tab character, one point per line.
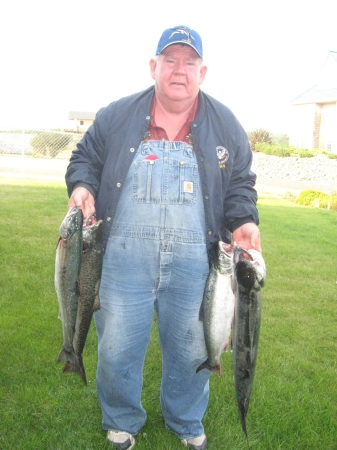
310	196
330	155
304	153
281	139
275	150
283	150
51	143
289	196
259	135
329	203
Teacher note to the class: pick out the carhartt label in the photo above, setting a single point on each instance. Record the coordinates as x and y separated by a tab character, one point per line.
188	187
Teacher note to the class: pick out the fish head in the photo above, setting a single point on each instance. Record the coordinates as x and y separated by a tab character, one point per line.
225	257
92	233
250	259
72	223
259	265
90	220
245	274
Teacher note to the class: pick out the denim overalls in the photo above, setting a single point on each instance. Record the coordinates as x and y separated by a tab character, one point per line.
156	259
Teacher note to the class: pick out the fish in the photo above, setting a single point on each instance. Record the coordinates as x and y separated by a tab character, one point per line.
217	308
67	269
249	274
88	282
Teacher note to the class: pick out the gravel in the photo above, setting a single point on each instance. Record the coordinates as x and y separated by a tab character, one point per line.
294	173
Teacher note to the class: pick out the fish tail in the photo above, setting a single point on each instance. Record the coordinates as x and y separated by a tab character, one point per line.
67	356
78	369
206	365
244	427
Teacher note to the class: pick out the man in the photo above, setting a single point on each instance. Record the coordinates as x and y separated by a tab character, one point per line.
167	169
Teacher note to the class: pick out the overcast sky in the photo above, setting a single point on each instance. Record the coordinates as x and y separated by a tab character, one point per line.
66	55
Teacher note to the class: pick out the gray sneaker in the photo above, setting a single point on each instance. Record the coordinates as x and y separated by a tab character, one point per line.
198	443
120	440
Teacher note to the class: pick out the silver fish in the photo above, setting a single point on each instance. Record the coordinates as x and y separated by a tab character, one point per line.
89	280
217	308
67	269
250	272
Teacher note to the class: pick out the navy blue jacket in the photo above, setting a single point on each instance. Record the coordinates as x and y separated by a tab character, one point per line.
103	157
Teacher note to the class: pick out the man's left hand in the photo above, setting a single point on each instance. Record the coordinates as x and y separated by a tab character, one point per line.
248	237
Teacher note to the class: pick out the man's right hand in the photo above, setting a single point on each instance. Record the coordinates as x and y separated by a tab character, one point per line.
84	200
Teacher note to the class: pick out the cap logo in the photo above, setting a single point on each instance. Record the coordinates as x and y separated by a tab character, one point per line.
183	31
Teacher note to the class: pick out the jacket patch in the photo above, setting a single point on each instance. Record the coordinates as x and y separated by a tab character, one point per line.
223	155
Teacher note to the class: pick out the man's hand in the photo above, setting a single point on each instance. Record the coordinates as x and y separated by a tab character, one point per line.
248	236
84	200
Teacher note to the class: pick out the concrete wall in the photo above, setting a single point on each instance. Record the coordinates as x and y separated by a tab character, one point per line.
302	126
328	128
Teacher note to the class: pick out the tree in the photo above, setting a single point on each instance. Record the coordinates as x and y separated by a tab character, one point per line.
281	139
259	135
48	142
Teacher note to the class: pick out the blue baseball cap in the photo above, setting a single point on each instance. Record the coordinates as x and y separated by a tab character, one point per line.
180	35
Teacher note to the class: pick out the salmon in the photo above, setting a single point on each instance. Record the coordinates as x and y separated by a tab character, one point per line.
249	273
88	282
217	307
67	269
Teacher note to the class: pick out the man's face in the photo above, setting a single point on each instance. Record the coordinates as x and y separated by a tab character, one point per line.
178	73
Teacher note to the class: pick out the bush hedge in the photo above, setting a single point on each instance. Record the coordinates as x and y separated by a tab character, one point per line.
317	199
283	151
330	155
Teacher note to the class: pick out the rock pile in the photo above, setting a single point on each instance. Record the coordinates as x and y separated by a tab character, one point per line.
316	170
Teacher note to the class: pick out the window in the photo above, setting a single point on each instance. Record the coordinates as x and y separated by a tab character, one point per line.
81	122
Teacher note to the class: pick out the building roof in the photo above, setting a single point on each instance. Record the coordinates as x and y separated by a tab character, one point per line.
82	115
316	95
333	55
325	90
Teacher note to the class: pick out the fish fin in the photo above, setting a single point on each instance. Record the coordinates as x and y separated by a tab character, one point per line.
65	356
78	369
78	291
232	332
217	370
58	241
201	312
97	305
205	365
253	324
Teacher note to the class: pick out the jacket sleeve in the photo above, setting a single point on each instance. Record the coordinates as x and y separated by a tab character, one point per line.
241	196
86	162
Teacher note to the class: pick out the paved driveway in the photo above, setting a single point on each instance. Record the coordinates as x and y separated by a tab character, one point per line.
53	169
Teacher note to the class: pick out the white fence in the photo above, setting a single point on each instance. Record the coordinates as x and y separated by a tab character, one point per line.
36	153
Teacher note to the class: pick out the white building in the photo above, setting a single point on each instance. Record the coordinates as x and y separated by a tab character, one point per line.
314	113
80	121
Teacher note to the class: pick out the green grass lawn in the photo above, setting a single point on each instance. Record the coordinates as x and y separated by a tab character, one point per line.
294	399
